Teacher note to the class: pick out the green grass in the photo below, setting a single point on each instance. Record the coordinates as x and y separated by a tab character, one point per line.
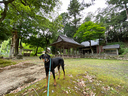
4	63
111	74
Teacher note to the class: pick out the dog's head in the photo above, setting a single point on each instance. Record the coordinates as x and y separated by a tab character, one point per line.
45	57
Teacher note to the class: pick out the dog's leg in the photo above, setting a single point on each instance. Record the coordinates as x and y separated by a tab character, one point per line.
53	72
63	71
59	71
46	79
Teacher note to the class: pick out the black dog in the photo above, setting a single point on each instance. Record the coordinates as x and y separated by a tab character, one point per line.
55	62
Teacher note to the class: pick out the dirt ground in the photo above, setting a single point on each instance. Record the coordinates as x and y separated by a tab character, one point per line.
15	76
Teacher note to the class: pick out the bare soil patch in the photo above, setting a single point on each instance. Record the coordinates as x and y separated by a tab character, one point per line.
14	76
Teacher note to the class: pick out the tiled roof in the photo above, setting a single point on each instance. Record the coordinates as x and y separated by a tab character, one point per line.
67	39
64	39
111	46
93	43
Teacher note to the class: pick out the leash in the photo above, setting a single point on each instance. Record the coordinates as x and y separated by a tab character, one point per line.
49	78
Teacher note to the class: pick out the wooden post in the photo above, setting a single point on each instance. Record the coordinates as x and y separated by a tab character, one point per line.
63	50
76	51
68	51
60	51
117	53
73	51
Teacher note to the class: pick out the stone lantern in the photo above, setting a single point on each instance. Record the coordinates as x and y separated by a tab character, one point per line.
20	56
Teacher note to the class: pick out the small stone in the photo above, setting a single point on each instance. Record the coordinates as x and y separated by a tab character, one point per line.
52	91
102	91
84	93
45	91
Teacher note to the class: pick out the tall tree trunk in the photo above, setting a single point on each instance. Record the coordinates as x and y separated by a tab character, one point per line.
75	22
116	34
36	51
16	46
47	42
3	14
46	50
99	49
99	45
91	47
127	13
0	48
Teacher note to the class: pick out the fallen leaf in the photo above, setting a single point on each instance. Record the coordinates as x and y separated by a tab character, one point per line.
106	88
81	83
67	92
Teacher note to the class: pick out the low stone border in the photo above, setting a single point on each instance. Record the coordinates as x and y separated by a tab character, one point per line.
104	56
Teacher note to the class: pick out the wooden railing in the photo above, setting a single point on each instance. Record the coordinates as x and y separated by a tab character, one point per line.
68	56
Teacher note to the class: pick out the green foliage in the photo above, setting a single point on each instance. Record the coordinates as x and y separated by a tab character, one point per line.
26	46
90	31
41	34
32	47
30	7
69	30
125	51
74	16
74	8
5	48
4	32
123	47
25	16
72	19
118	2
65	18
88	17
55	27
121	51
114	19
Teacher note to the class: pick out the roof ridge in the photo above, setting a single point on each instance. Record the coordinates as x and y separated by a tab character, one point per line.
67	37
112	45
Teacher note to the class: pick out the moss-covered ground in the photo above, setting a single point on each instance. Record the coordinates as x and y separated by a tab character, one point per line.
4	63
85	77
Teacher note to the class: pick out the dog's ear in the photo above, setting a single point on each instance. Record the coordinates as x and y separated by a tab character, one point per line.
41	56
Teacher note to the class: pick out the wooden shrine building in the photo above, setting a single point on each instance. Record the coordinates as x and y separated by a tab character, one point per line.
67	47
111	49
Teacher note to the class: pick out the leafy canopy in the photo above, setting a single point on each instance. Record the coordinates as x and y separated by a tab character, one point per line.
89	31
27	6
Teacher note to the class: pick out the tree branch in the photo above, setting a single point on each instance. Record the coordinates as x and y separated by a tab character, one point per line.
3	14
1	1
15	7
23	2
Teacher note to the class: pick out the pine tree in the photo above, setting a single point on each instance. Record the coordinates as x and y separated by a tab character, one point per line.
74	10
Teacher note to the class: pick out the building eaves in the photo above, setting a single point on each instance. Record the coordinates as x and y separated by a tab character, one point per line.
117	46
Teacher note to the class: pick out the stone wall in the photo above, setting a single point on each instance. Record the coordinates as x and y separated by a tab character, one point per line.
104	56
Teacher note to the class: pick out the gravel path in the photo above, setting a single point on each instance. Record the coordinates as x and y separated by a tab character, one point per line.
17	75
